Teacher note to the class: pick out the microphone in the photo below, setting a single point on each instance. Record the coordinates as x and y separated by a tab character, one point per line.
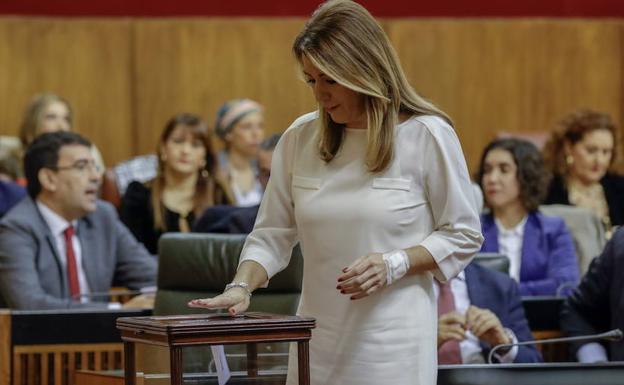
611	335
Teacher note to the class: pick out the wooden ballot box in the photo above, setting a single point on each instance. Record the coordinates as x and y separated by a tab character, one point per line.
178	332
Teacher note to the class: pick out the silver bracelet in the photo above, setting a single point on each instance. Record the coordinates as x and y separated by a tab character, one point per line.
242	285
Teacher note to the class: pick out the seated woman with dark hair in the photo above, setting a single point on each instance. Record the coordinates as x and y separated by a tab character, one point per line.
540	249
186	184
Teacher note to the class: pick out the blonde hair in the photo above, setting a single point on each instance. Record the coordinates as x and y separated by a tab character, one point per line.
344	41
29	129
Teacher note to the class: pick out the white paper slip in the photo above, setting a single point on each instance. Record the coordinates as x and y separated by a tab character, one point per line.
223	370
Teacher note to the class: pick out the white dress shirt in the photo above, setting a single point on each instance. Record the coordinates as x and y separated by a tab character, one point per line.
510	244
470	347
591	353
57	226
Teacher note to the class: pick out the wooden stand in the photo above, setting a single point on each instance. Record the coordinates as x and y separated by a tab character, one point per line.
177	332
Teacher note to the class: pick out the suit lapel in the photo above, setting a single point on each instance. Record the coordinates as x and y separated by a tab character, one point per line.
490	233
59	262
51	244
530	243
474	293
478	298
88	248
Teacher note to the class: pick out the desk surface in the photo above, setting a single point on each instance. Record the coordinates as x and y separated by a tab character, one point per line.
533	374
516	374
67	326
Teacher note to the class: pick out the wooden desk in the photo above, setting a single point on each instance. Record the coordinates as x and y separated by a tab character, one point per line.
47	346
92	377
610	373
177	332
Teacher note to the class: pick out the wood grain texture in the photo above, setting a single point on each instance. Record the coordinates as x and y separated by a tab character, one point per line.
127	77
511	75
5	346
197	65
87	61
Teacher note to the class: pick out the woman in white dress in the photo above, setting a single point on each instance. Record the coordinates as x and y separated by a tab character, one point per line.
375	188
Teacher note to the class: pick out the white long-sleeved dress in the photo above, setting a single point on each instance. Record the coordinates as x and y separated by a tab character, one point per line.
339	211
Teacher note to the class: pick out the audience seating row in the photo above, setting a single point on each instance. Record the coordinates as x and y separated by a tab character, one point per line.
47	347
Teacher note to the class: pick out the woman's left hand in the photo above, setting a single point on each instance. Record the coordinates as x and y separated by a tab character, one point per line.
363	277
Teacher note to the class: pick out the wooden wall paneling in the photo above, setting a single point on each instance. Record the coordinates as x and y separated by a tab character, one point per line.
87	61
580	65
126	77
502	75
196	64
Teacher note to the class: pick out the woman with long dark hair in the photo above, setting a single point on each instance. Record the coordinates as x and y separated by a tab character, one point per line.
186	183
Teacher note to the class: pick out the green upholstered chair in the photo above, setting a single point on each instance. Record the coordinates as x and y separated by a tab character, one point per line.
199	266
494	261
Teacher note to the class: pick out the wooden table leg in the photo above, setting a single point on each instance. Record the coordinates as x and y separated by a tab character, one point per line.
252	360
129	363
175	358
304	362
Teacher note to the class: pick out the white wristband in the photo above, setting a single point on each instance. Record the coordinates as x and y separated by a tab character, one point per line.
397	265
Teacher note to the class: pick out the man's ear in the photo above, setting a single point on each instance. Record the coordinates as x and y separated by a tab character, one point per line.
47	179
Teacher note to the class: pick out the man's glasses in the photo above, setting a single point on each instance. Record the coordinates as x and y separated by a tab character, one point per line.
82	166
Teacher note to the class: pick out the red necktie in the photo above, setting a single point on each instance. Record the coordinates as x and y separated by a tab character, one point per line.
449	353
72	267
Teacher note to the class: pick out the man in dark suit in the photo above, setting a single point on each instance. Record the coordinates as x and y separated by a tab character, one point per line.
597	304
60	245
488	311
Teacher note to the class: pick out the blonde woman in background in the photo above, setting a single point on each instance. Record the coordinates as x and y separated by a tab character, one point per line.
49	112
581	153
240	125
373	186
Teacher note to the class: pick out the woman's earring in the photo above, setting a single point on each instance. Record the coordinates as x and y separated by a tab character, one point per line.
569	160
204	173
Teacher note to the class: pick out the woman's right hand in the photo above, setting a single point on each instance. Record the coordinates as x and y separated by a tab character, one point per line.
236	300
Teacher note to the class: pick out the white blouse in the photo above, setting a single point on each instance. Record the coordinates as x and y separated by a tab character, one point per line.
339	211
510	244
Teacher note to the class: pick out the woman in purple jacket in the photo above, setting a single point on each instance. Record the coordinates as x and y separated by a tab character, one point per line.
540	249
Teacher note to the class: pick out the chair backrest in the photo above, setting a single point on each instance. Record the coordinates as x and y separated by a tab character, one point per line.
494	261
587	231
200	265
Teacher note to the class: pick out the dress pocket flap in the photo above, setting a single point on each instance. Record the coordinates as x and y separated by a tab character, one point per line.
392	183
305	182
